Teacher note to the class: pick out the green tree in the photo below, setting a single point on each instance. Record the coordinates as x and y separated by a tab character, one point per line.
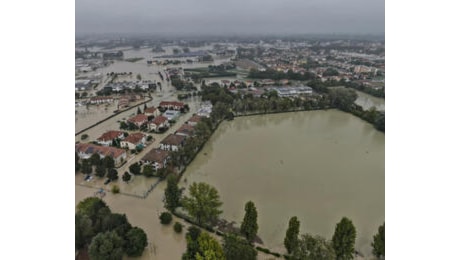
342	98
83	230
178	227
106	246
148	170
95	159
165	218
209	248
116	222
136	241
112	174
100	170
138	77
236	248
86	166
192	243
313	248
292	233
344	239
126	177
172	193
249	226
203	203
108	162
135	168
378	246
96	209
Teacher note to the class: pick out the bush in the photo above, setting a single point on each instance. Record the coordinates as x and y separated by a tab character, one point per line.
149	138
165	218
263	249
115	189
178	227
84	137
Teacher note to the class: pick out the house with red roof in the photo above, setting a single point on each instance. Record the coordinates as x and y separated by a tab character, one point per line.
194	120
85	150
100	100
172	142
158	123
152	112
186	130
174	105
108	137
133	140
157	158
138	120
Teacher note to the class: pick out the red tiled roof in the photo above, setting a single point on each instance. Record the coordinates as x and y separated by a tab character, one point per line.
109	135
138	118
195	119
150	110
173	139
185	128
159	120
171	103
156	155
134	138
103	150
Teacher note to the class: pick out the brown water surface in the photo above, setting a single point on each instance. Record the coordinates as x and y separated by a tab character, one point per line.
317	165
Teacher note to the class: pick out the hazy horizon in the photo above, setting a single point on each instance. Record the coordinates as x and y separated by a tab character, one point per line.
238	18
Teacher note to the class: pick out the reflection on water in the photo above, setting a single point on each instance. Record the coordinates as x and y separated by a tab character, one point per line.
317	165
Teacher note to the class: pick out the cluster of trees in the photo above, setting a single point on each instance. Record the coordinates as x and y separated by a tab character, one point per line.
180	84
221	67
102	167
342	245
380	93
106	235
278	75
147	170
203	205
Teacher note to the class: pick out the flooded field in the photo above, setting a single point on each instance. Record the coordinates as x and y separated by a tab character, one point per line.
317	165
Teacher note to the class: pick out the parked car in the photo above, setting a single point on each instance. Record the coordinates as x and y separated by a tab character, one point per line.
88	177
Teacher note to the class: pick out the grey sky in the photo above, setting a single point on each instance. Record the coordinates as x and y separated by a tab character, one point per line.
230	16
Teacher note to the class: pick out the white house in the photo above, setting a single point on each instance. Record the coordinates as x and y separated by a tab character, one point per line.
107	138
133	140
172	142
157	158
85	150
159	122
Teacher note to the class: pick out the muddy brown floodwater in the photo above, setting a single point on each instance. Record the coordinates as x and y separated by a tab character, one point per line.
317	165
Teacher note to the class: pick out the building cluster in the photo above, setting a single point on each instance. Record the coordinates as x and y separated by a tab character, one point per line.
154	121
124	85
352	60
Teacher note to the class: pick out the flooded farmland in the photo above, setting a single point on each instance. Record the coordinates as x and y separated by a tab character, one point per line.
317	165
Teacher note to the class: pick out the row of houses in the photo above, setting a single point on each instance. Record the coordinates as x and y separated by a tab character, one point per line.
157	157
160	156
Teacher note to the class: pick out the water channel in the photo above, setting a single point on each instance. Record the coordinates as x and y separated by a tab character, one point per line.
316	165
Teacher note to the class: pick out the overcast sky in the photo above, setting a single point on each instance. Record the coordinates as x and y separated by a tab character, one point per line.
230	16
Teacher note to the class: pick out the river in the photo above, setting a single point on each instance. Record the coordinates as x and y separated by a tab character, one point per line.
316	165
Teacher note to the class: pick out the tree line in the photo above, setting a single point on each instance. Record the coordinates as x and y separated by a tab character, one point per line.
228	104
203	207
